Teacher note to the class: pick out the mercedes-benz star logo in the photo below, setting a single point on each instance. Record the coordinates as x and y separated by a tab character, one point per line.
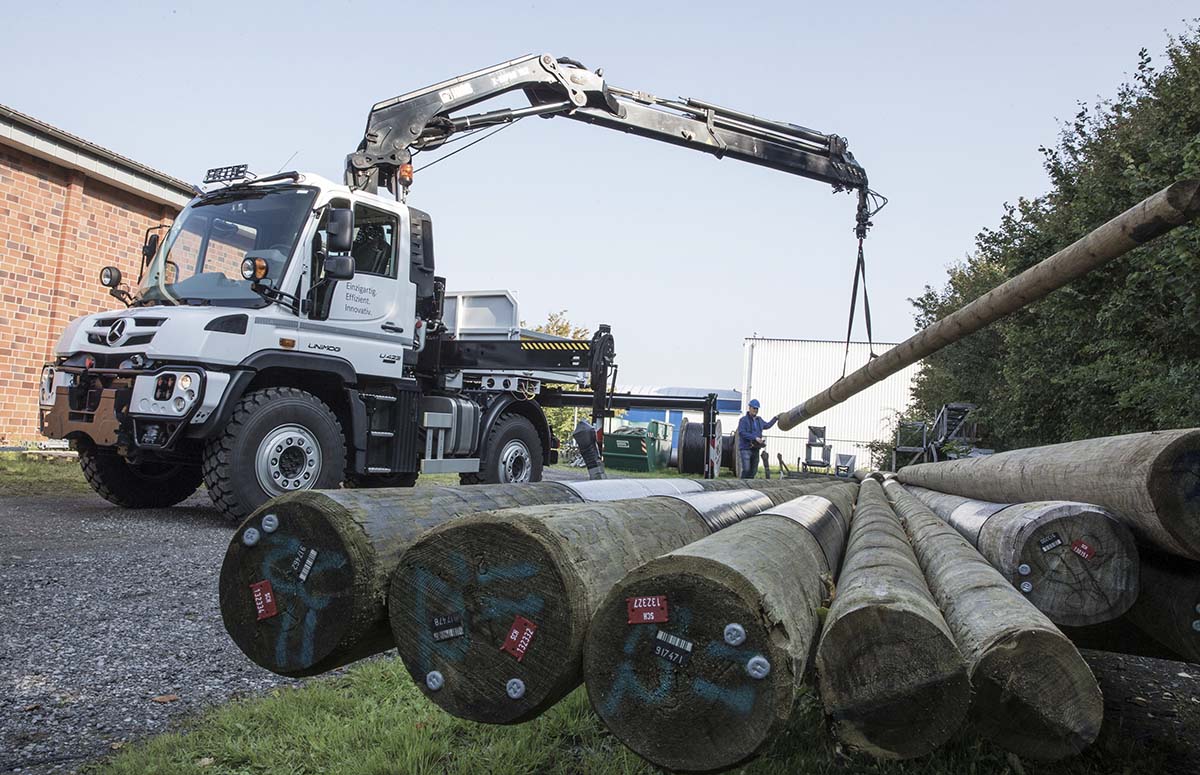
116	332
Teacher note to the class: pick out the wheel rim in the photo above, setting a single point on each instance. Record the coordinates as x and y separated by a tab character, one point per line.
288	459
515	462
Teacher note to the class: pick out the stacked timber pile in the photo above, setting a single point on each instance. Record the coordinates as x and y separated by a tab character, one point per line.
890	674
1033	693
1147	481
1074	561
303	586
489	612
714	677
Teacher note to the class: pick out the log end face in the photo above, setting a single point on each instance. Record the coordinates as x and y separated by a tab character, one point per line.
1074	562
691	693
291	585
1036	697
482	604
892	682
1174	485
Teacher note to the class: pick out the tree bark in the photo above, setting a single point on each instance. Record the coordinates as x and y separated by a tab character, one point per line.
1074	561
334	612
1149	481
463	589
712	685
1168	606
890	675
1034	694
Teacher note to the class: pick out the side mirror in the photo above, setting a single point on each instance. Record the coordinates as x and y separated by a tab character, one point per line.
340	229
110	276
150	248
339	267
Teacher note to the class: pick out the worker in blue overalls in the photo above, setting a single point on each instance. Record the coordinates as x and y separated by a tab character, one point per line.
750	438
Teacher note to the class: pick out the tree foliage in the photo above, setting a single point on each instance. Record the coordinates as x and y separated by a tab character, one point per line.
1117	351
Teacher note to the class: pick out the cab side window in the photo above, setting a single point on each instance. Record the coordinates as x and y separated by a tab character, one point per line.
374	249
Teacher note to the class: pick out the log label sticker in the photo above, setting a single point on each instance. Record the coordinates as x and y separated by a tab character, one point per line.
306	568
520	635
264	599
446	627
302	562
1083	549
1051	541
672	648
643	610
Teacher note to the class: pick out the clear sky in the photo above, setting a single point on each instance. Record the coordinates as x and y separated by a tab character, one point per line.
944	104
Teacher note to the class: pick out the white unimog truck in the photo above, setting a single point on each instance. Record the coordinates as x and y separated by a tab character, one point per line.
287	332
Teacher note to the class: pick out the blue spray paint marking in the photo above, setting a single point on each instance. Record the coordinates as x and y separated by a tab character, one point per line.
326	560
450	594
740	700
626	682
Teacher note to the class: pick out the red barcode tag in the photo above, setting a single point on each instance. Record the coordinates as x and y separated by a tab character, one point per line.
644	610
1083	549
520	635
264	599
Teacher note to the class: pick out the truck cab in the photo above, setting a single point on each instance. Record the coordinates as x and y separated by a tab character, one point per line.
286	333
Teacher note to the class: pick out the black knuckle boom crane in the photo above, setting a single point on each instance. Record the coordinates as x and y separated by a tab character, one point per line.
429	118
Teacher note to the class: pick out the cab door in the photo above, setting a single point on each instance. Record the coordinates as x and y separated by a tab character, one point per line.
368	319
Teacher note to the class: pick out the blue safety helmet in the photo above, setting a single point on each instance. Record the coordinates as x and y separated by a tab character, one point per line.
754	403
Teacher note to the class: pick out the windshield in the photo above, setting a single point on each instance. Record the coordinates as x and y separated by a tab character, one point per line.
200	260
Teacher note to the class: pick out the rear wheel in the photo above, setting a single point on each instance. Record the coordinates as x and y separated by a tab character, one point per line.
143	485
278	440
512	453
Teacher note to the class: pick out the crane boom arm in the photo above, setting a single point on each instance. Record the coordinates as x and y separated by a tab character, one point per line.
426	118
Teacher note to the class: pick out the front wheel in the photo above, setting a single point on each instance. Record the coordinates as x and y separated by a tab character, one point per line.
512	453
144	485
278	440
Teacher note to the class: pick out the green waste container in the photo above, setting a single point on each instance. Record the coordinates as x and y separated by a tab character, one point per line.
644	446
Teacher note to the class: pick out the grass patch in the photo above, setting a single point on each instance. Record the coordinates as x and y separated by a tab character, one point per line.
373	720
24	474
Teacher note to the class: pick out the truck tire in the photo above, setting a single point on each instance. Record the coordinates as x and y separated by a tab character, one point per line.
512	453
147	485
278	440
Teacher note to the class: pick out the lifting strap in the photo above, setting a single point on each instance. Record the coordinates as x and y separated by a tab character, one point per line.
860	270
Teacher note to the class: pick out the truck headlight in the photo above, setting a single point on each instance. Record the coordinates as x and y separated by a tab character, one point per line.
47	387
167	393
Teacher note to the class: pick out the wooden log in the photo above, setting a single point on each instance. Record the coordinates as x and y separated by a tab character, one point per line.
1157	214
1168	606
310	595
1149	481
1074	561
890	675
711	684
1034	694
462	591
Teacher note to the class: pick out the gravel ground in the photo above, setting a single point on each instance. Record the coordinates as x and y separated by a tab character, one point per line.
103	610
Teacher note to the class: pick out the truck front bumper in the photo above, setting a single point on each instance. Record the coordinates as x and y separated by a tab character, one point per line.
125	408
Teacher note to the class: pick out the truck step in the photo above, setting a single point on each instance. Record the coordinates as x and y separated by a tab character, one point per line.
377	397
382	434
378	470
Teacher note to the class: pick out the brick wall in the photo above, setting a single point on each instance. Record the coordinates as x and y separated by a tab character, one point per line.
57	230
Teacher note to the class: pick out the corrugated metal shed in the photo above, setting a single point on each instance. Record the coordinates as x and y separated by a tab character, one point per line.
781	373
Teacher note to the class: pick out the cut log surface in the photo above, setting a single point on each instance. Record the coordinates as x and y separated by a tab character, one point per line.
310	596
711	684
890	675
1074	561
1168	606
1149	481
490	612
1034	694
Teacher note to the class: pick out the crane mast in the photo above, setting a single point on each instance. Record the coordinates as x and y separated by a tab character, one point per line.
426	118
